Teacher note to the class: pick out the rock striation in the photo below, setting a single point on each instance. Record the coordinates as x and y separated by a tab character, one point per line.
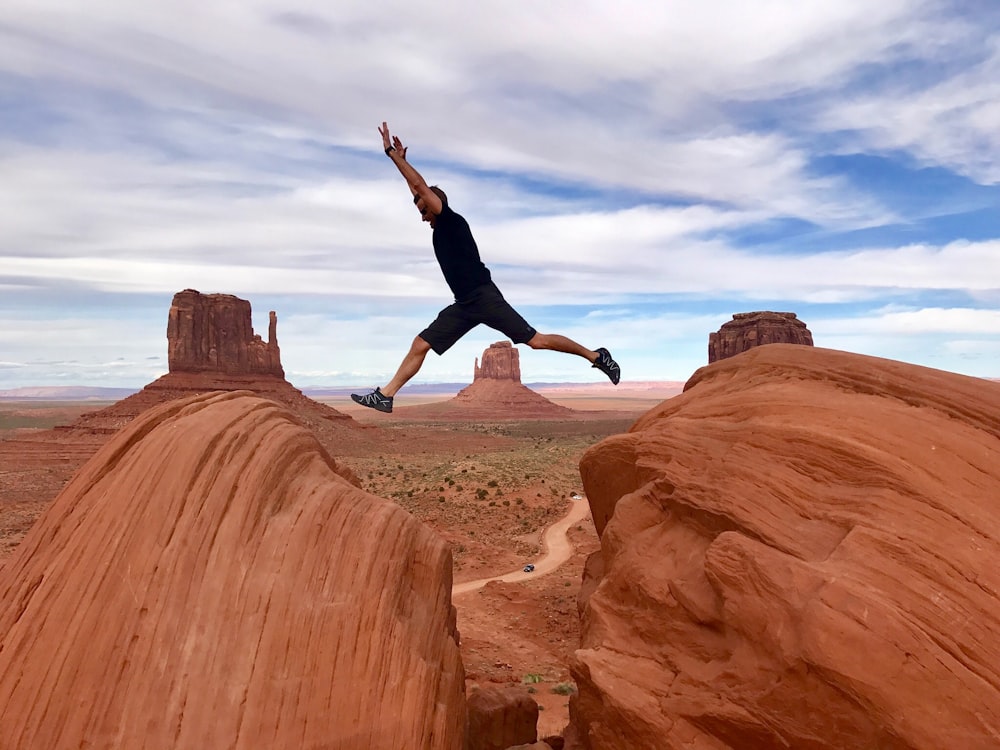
747	330
214	333
800	551
210	579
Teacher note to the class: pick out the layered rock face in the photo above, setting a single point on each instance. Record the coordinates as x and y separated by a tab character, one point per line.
209	579
501	361
497	391
747	330
214	333
800	551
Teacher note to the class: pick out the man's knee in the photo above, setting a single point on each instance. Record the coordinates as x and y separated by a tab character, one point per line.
419	346
537	341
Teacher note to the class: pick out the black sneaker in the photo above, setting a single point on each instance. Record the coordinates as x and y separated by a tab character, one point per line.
376	400
608	366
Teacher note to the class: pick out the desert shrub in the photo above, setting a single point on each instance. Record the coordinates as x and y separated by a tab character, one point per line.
492	483
531	678
564	688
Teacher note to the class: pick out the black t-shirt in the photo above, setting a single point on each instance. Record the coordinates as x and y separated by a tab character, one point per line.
458	255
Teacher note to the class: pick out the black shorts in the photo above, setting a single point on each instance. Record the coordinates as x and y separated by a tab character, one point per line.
485	305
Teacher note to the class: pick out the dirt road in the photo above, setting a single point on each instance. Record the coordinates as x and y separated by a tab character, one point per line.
558	550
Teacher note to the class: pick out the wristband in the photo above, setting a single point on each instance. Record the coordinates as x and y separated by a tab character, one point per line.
391	148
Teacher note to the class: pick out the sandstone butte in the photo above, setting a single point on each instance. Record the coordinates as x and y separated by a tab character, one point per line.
211	346
747	330
210	579
497	383
496	393
800	551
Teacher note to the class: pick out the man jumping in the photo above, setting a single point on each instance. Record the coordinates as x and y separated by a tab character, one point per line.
477	299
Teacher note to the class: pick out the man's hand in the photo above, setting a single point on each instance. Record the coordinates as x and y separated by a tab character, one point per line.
391	143
395	150
398	145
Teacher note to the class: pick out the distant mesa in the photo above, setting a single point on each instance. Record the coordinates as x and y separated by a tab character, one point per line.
211	578
213	333
496	393
497	387
501	361
747	330
211	346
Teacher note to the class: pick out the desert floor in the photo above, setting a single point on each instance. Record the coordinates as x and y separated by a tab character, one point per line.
491	488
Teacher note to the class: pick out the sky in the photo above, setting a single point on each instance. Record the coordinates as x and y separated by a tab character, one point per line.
634	174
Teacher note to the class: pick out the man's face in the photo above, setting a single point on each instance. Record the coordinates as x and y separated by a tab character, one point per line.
425	213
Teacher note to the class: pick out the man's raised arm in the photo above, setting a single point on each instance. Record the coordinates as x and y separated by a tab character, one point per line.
395	150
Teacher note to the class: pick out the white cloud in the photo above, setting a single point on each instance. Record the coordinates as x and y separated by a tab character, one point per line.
953	123
612	159
920	323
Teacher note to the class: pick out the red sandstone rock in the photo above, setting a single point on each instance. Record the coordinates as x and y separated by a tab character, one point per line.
747	330
214	333
500	717
504	399
209	580
211	346
501	361
800	551
496	389
175	385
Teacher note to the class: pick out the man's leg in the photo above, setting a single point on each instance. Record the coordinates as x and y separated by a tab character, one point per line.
557	343
601	358
381	400
497	313
409	367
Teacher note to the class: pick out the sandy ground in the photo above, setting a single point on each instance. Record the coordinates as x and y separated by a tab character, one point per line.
492	489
